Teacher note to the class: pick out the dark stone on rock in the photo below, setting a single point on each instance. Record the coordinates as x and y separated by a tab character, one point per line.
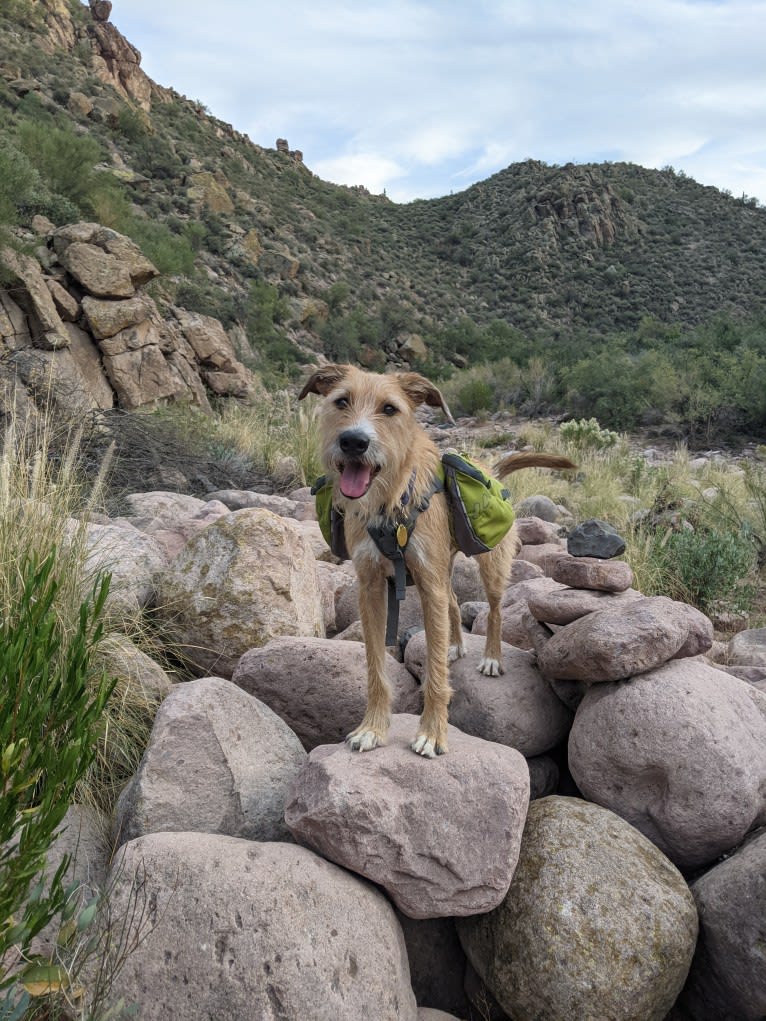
595	538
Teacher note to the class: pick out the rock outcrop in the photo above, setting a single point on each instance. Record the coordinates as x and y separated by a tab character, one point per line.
81	328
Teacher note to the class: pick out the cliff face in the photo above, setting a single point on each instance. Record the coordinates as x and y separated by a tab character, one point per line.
115	61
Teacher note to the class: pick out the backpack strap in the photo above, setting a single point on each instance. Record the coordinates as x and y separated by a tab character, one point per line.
392	538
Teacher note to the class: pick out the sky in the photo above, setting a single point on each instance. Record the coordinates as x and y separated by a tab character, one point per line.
422	98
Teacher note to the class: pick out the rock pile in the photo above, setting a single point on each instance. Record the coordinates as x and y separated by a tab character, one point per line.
590	847
76	320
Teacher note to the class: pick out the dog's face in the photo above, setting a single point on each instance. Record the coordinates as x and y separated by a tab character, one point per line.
368	425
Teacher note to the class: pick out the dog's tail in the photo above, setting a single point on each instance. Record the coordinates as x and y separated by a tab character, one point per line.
531	459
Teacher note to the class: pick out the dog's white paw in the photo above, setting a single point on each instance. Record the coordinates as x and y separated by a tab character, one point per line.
424	746
456	652
363	741
490	667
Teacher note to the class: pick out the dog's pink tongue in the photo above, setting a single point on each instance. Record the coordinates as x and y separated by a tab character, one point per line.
355	479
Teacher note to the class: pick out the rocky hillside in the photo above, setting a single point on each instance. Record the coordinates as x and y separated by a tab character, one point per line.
250	235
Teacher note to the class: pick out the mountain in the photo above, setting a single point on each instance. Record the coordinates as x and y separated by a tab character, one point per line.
299	266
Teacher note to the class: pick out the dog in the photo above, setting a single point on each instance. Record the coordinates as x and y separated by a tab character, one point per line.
382	463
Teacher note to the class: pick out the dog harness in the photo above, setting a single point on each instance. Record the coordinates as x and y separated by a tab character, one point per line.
480	515
392	538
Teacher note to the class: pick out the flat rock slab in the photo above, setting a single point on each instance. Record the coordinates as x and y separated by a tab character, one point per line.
679	752
609	645
597	923
564	605
440	836
592	573
248	931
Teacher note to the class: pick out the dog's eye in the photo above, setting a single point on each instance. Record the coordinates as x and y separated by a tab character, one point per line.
390	409
342	402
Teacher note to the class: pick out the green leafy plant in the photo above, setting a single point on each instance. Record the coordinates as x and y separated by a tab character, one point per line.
706	569
50	708
584	434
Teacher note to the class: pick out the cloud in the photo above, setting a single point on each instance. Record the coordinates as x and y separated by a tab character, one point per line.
422	96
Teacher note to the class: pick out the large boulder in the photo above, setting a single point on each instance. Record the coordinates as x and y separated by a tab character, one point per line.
596	924
563	605
318	686
437	963
245	930
218	761
245	579
748	648
624	640
680	752
519	708
728	974
441	837
132	558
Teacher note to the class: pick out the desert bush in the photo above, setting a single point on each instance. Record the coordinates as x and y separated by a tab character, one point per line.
64	160
587	434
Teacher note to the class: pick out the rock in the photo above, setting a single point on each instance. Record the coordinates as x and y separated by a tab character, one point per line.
609	645
748	648
520	591
590	573
522	570
680	752
563	605
437	964
429	1014
31	294
513	629
177	521
410	610
544	555
87	366
106	318
98	273
219	366
518	708
164	508
113	245
255	930
728	977
594	538
596	924
218	761
470	611
137	368
540	507
245	579
466	580
132	558
441	840
319	687
334	579
122	658
543	776
67	307
536	532
237	499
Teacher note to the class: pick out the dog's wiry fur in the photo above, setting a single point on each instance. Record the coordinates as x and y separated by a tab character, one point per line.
383	445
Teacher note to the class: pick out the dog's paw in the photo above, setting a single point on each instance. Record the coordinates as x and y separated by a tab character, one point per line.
457	652
363	740
427	746
490	667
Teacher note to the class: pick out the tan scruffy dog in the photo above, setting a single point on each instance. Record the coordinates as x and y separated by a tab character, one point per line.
382	463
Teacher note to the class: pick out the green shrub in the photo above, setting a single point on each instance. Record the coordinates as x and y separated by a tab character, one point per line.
64	159
587	434
706	568
475	396
49	714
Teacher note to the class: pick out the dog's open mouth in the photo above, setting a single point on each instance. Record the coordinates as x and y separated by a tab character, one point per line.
356	478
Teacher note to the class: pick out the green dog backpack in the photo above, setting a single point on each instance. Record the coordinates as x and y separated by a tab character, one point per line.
480	508
481	511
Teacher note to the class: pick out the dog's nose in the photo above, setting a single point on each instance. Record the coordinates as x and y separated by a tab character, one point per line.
353	442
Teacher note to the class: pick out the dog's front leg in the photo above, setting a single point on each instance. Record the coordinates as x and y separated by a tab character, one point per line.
373	729
431	739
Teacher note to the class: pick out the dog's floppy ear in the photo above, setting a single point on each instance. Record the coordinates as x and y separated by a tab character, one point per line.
422	391
323	380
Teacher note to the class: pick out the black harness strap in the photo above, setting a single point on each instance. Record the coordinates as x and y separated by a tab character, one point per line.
392	539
